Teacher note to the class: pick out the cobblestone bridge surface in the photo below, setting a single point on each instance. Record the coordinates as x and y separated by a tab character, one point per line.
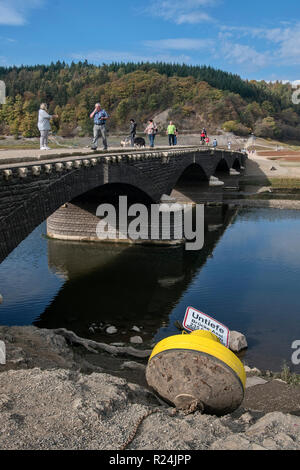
31	191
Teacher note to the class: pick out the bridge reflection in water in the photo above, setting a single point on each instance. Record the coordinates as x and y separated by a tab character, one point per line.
125	285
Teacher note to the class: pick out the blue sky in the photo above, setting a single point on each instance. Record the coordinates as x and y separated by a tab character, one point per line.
258	39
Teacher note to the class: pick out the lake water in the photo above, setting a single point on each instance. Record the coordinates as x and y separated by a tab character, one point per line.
247	276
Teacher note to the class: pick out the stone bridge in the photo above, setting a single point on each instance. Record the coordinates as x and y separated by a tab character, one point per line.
30	192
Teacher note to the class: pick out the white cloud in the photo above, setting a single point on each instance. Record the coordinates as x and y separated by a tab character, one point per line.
287	41
9	16
193	18
180	12
7	40
244	55
14	12
230	51
289	49
180	44
283	42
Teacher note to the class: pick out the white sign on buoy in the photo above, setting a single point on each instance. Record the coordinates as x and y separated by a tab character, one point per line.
196	320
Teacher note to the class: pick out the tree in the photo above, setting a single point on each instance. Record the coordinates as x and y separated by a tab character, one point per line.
28	126
198	94
236	127
267	127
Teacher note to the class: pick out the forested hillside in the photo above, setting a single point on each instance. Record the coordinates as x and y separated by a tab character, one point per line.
194	96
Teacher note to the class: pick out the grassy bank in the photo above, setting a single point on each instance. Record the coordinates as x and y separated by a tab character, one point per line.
287	376
276	183
285	183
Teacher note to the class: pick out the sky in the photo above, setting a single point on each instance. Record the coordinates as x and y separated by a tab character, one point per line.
257	39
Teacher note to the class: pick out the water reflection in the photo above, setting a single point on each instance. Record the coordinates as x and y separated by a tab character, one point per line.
246	276
124	285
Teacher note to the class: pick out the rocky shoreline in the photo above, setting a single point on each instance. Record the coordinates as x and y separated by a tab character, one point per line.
58	391
263	203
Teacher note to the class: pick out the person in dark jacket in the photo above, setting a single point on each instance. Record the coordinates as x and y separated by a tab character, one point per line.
132	131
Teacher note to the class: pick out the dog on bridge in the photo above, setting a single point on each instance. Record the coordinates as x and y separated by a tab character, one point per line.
139	142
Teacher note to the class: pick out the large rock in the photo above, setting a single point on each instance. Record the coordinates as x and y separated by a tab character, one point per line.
253	381
136	340
136	329
237	341
111	330
28	346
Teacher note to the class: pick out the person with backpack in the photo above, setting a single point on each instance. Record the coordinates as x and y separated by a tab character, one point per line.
151	131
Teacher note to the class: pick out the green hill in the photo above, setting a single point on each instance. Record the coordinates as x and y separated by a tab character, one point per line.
194	96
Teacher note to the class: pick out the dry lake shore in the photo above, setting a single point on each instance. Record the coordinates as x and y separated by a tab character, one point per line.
58	391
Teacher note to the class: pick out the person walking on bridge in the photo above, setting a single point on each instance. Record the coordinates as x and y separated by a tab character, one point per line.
171	133
202	137
100	117
151	130
132	131
175	137
44	126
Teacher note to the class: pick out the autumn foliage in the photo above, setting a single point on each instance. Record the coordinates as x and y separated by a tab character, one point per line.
193	96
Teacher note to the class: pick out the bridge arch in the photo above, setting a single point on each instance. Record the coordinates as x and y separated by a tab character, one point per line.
236	164
191	172
222	166
43	203
110	192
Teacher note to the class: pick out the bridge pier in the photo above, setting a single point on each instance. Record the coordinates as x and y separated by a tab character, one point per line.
79	221
214	181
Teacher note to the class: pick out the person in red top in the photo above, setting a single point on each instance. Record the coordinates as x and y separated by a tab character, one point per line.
202	137
207	140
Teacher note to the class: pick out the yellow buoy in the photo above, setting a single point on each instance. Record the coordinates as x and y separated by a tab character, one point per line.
195	371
